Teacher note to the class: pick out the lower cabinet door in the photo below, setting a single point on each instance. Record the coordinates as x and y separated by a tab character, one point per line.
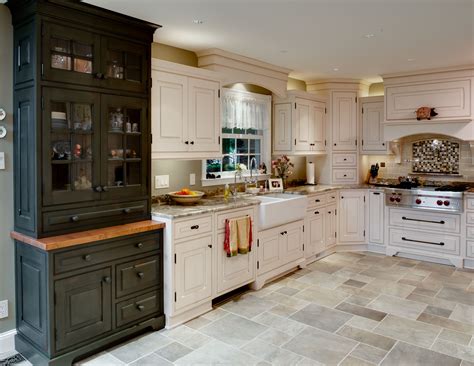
352	216
233	272
316	239
292	242
83	307
330	225
269	254
193	276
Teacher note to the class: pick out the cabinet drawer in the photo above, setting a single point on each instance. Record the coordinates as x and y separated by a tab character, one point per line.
444	222
92	216
470	248
331	197
232	215
317	201
137	275
470	232
69	260
346	159
425	241
344	175
470	218
470	203
138	307
192	227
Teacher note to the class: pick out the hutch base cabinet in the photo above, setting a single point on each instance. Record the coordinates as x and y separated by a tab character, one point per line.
75	301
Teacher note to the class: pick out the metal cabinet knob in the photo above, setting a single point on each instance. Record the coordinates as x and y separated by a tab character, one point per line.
316	212
140	307
140	274
99	75
75	218
139	245
107	279
194	227
98	189
105	188
126	210
87	257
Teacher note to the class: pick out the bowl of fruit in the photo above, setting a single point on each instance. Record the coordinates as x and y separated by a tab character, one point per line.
186	196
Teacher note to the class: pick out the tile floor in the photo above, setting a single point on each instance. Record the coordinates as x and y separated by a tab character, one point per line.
346	309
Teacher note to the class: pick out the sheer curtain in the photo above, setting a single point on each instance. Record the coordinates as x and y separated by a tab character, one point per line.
241	110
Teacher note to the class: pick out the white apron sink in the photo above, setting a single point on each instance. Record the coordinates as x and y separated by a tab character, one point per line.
280	208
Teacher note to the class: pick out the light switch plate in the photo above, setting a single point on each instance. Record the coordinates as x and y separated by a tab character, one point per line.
162	181
3	309
2	160
192	179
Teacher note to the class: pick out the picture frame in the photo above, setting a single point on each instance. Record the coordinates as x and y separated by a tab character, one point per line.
275	185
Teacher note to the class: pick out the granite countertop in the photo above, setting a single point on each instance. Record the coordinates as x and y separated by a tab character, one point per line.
322	188
206	205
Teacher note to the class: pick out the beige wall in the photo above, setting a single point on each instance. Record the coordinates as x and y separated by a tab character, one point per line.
7	283
173	54
296	84
376	89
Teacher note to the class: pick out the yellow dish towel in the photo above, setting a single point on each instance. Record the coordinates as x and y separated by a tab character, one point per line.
238	236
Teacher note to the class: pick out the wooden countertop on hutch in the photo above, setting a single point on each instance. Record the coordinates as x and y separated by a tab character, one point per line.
89	236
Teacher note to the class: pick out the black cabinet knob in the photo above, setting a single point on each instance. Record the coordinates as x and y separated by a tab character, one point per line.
345	175
99	75
186	142
194	227
383	143
127	210
140	307
139	245
316	212
107	279
210	246
192	142
335	144
140	274
87	258
98	189
75	218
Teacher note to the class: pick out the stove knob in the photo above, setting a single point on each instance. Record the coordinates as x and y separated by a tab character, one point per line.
418	201
398	199
439	202
392	199
446	203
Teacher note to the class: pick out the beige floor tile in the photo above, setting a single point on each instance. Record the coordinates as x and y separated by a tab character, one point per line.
290	301
358	291
283	310
361	311
454	350
362	323
321	317
367	337
322	296
288	326
369	353
397	306
447	323
445	304
354	361
434	310
456	337
390	288
404	354
463	313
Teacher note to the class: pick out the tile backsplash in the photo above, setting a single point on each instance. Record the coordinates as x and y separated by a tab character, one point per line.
435	156
393	169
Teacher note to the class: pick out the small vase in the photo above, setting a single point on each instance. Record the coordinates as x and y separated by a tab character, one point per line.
284	182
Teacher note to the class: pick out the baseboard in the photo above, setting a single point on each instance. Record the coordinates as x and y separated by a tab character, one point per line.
7	341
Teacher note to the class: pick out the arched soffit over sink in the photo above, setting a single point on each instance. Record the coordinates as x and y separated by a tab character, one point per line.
239	69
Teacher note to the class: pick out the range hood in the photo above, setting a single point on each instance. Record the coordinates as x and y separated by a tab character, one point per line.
449	91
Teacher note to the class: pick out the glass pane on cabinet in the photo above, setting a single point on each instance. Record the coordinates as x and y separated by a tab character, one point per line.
84	66
115	174
133	174
82	176
116	120
133	147
82	147
81	49
59	116
82	117
61	62
60	177
60	45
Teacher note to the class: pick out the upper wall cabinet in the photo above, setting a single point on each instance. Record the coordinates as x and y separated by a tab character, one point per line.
371	117
299	125
185	112
450	92
344	121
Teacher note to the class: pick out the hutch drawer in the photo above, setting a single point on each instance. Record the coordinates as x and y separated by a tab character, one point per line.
137	275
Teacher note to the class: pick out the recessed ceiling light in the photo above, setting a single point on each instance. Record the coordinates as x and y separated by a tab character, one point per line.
369	35
335	69
411	59
198	21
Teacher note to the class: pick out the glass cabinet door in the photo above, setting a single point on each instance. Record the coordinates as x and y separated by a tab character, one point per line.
71	140
124	64
71	55
124	153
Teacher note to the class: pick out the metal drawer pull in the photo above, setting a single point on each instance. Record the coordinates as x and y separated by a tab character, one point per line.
75	218
376	193
442	222
316	212
210	246
329	212
194	227
318	200
140	307
422	241
140	274
284	232
139	245
87	257
107	279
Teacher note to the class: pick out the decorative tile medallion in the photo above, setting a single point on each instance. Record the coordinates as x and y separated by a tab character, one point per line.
436	156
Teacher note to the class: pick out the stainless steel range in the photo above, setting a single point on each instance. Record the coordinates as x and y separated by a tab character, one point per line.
446	198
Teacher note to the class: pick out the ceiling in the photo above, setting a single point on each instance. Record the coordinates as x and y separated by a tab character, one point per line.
319	38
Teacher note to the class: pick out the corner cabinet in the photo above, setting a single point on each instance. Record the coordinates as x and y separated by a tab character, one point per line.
185	112
352	220
372	118
299	124
344	121
82	117
376	217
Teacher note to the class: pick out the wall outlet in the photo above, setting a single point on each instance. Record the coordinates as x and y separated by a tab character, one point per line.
192	179
162	181
3	309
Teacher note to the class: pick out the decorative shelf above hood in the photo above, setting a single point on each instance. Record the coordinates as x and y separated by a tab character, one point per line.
449	91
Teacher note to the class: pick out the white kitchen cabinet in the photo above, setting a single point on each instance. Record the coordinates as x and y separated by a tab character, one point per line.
316	242
192	272
372	117
185	112
292	242
299	124
376	217
269	253
344	121
352	216
330	226
204	119
282	127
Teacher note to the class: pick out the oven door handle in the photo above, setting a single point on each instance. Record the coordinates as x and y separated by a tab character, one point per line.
422	241
442	222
